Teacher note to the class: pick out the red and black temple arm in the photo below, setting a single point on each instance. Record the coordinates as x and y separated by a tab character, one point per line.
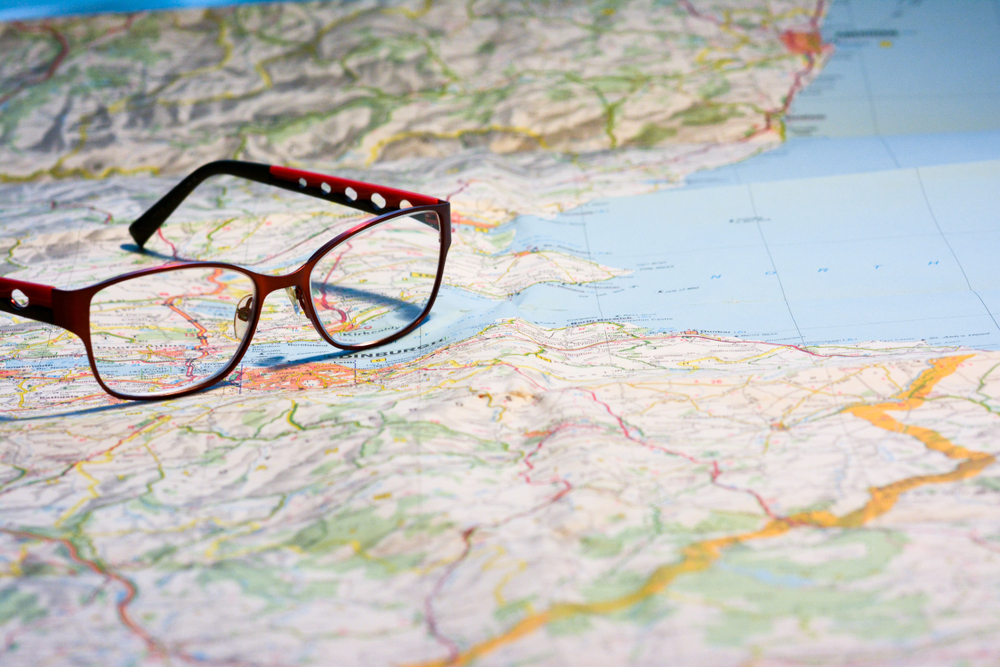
365	197
64	308
25	299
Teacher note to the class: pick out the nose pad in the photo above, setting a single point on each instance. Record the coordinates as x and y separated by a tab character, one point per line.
295	296
241	321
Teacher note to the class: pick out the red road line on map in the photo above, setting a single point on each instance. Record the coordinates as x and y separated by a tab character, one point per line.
152	644
453	649
797	84
683	335
814	20
995	548
214	278
621	422
53	66
715	471
764	342
125	27
465	186
54	205
173	248
698	15
567	487
94	566
202	338
447	642
202	331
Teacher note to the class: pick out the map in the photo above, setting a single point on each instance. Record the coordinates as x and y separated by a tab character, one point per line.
712	378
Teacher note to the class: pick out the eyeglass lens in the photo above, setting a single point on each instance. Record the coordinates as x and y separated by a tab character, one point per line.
378	281
164	332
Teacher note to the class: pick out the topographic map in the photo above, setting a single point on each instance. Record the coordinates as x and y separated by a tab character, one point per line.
712	379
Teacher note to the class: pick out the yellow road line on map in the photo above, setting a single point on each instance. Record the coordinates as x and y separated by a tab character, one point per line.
16	571
700	556
506	579
888	376
213	549
723	361
58	171
795	12
409	13
193	523
290	414
265	76
106	458
355	545
824	389
222	40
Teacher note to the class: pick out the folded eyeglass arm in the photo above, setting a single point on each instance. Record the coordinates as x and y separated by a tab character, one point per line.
375	199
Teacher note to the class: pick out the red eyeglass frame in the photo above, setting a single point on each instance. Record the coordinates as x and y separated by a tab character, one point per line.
70	309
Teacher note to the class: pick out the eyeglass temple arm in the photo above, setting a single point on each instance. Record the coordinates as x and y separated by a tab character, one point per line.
36	300
355	194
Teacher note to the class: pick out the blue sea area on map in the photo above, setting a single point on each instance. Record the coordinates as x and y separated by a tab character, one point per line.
828	156
19	10
904	68
892	255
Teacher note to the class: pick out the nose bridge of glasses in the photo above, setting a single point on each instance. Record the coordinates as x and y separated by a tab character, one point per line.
266	285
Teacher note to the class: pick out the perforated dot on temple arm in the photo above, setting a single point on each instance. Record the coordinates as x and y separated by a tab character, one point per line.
326	187
19	299
351	193
378	200
405	204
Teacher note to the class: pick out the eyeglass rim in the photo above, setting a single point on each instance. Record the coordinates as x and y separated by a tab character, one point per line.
75	304
444	229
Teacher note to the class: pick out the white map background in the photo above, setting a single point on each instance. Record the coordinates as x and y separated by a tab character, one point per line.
747	421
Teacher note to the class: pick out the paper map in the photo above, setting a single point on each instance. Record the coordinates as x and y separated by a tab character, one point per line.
711	381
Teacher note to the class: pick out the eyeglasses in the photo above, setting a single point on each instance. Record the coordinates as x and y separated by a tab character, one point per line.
176	329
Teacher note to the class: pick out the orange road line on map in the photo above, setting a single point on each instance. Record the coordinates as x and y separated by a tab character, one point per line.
700	556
